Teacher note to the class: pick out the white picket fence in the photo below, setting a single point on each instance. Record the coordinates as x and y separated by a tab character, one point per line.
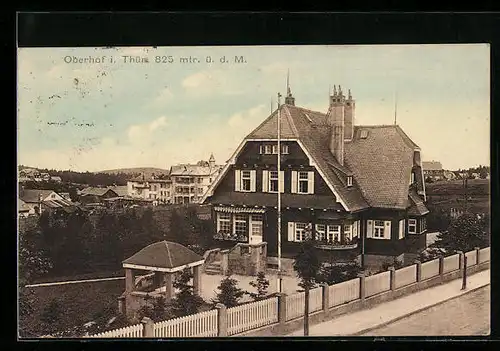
316	299
378	283
343	292
451	263
198	325
484	255
133	331
406	276
295	305
429	269
471	258
252	315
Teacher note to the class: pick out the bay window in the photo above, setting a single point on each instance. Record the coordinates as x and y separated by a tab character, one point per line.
423	225
333	233
378	229
301	231
240	225
320	232
412	226
224	223
348	232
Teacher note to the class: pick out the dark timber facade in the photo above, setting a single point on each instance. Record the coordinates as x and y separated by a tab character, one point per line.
353	188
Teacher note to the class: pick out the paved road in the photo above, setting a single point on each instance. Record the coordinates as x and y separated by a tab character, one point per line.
466	315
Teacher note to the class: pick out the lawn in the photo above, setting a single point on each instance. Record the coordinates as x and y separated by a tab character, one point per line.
81	302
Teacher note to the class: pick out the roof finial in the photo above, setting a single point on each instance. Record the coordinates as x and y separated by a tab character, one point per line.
288	91
340	90
334	90
350	96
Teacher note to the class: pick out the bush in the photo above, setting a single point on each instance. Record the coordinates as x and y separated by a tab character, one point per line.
261	284
185	302
334	274
229	293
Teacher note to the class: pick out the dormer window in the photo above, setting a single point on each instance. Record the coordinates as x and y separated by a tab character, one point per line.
349	181
364	134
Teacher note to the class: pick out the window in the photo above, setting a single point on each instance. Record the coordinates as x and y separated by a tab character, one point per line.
200	180
301	231
256	221
348	231
303	183
261	149
423	225
349	181
412	178
267	149
378	229
275	149
200	190
224	222
364	134
284	149
320	232
333	233
240	224
245	180
412	226
273	181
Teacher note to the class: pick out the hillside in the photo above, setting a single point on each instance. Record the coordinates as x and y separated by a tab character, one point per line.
148	171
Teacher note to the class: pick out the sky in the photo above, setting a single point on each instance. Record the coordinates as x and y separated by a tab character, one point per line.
92	109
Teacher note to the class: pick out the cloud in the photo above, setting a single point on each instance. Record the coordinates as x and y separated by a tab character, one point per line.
140	132
163	97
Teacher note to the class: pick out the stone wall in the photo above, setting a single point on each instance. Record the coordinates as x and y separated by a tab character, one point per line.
247	259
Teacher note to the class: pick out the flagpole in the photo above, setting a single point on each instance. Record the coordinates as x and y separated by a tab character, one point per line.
279	194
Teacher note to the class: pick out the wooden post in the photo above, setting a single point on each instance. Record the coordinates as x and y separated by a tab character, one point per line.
392	272
461	256
197	280
148	330
281	308
441	265
362	292
464	274
326	297
129	280
221	320
478	250
169	286
419	270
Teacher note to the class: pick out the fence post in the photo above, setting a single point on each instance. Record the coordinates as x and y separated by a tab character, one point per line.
464	274
478	250
460	259
148	328
362	292
281	308
441	265
221	319
392	272
419	270
326	297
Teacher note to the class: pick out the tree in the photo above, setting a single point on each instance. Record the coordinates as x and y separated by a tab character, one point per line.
229	293
185	302
51	317
156	310
334	274
465	233
307	266
261	284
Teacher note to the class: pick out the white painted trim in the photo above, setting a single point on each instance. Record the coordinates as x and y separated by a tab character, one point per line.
313	163
160	269
273	139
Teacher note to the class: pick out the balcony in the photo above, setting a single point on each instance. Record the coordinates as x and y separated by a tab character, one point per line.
330	245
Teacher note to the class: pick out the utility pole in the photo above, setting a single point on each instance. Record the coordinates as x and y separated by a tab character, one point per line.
279	194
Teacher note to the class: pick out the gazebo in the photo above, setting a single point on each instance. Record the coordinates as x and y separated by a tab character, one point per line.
163	258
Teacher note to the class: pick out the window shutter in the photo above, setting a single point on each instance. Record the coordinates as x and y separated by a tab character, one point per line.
310	188
369	228
253	178
265	181
294	182
387	230
281	185
355	229
261	149
237	180
218	222
291	231
401	228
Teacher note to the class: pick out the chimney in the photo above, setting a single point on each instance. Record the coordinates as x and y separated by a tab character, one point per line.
350	106
211	161
336	116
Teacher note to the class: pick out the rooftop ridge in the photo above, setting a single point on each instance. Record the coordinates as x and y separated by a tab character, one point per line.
168	252
291	122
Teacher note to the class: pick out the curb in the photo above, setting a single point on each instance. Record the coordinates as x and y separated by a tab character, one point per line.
367	330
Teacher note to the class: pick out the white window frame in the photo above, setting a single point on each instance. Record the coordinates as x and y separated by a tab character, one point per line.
380	233
221	220
333	232
348	232
267	149
423	224
401	229
300	231
261	149
302	180
349	181
274	149
256	221
320	232
243	179
284	149
237	220
412	223
271	179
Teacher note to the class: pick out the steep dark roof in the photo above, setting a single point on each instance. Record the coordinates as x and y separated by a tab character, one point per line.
164	254
380	164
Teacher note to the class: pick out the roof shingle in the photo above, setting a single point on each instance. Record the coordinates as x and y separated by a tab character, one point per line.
164	254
